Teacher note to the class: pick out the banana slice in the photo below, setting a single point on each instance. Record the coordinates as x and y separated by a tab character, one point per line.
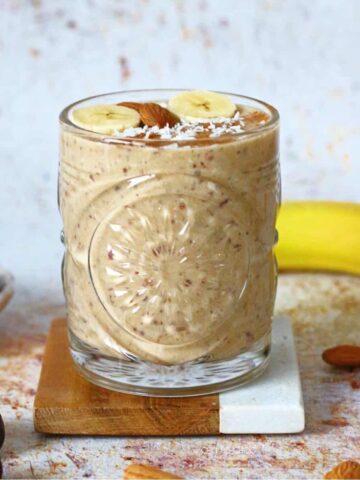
106	118
201	104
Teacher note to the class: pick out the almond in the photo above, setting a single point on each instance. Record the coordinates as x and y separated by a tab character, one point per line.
348	469
145	472
342	356
134	105
153	114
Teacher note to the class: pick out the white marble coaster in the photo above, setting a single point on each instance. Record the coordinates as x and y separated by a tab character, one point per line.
273	403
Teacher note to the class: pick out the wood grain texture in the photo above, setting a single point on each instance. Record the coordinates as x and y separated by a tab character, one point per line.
65	403
147	472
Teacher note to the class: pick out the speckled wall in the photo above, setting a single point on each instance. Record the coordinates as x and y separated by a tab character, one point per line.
300	55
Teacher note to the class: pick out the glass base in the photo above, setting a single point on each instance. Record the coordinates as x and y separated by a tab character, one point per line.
138	377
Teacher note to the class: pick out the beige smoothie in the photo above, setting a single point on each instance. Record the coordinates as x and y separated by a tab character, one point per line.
169	231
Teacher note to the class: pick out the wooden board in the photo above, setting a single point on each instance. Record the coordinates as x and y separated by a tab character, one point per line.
65	403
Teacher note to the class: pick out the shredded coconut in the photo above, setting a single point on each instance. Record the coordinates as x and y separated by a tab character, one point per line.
189	129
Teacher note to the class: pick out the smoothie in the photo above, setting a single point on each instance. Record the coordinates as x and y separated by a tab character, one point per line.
169	227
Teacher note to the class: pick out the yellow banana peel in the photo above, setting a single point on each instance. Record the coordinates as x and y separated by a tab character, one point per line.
319	235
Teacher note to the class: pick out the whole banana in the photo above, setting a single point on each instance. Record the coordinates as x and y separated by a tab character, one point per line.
319	235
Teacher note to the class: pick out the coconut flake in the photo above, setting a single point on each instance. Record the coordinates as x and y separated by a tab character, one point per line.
188	129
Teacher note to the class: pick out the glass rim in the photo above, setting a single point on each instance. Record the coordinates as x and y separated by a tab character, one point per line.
65	119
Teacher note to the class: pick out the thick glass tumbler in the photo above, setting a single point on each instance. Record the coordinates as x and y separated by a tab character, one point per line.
169	273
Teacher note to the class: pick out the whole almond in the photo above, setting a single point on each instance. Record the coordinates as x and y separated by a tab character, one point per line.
145	472
348	469
133	105
152	114
342	356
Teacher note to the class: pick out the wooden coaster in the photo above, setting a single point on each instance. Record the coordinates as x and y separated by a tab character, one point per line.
65	403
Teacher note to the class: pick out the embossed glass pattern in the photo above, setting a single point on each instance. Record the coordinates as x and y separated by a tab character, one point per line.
168	273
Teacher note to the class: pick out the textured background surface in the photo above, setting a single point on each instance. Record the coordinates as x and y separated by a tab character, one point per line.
300	56
325	310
